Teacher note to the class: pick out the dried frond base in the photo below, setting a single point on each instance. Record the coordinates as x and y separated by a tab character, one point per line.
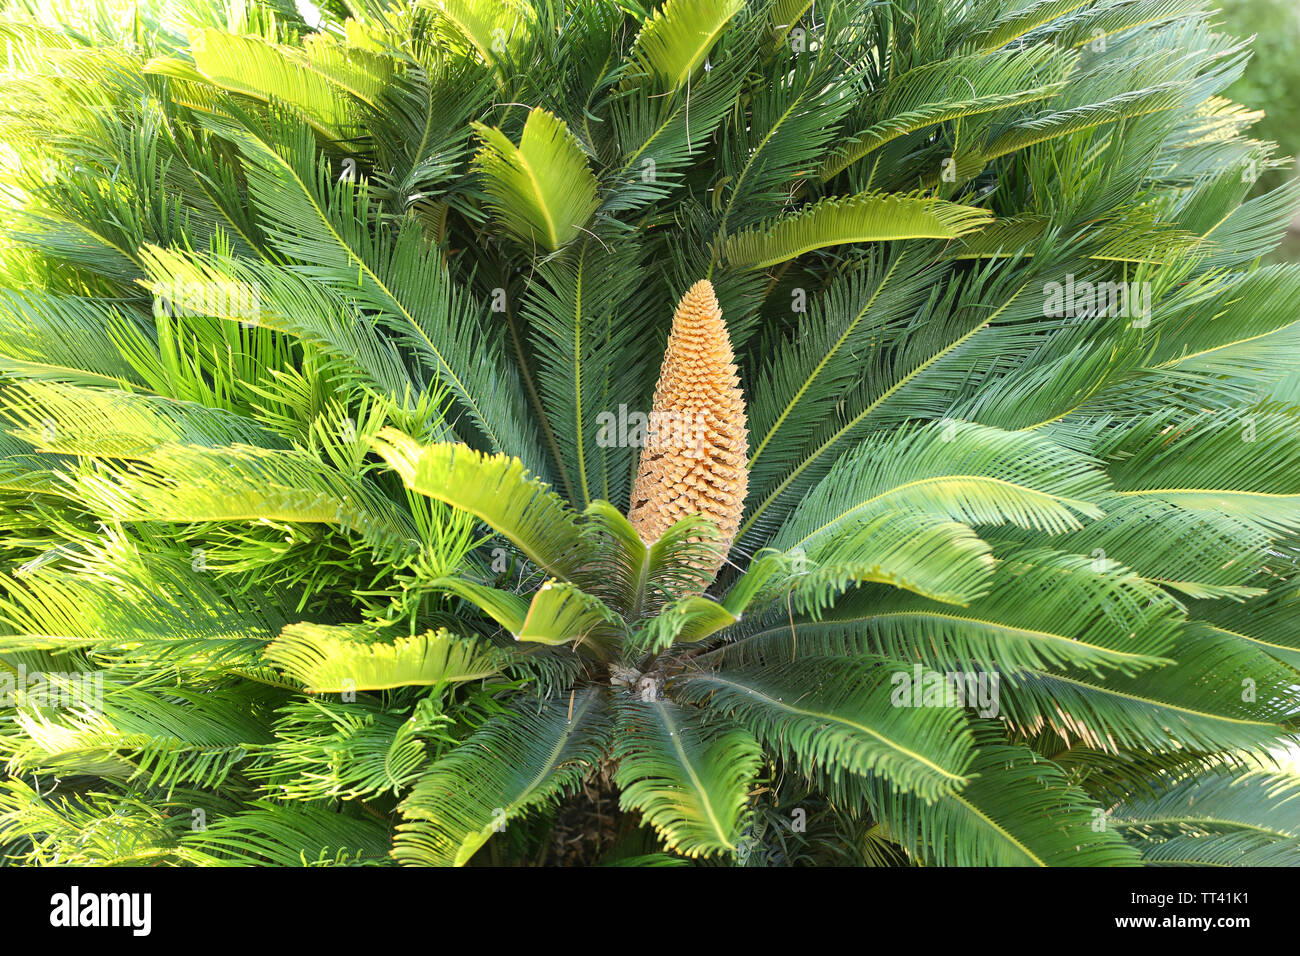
588	823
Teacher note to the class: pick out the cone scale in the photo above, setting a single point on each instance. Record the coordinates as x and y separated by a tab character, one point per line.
694	460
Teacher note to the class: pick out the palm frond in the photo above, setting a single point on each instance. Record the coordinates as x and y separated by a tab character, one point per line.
495	489
867	217
1018	810
835	716
541	191
339	658
674	41
689	779
517	761
1216	819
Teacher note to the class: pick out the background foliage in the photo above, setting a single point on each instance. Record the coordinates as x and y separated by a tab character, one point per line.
334	539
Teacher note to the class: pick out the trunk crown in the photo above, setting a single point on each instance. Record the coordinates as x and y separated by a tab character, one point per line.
694	460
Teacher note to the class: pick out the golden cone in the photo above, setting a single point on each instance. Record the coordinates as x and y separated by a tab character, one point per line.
694	460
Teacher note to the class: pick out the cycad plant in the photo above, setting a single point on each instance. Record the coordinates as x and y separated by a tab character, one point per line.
747	432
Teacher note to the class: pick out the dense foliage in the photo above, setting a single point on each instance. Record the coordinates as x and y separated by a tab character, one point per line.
322	352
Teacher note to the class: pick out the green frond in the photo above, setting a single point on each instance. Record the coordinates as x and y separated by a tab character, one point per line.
332	659
560	613
1205	330
1237	848
1138	237
23	470
674	41
1265	620
958	470
349	750
1198	553
954	88
286	301
867	217
927	554
100	828
1024	18
505	608
1216	819
103	594
689	779
1223	693
586	325
1018	810
63	419
517	761
639	579
686	620
541	191
324	226
658	135
1252	229
1043	608
835	716
242	484
1245	464
791	127
784	15
491	28
278	835
322	90
51	337
495	489
157	736
1053	124
807	374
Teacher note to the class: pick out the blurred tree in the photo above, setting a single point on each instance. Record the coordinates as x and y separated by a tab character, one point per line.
1272	79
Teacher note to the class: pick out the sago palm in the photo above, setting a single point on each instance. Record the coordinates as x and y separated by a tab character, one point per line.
753	432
